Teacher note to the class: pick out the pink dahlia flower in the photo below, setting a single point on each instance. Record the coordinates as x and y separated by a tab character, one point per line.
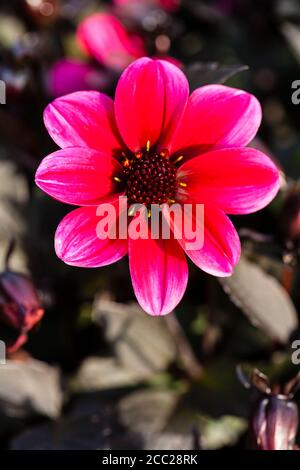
155	144
104	37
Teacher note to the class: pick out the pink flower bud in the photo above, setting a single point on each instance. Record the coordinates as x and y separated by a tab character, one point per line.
105	38
20	308
274	420
275	423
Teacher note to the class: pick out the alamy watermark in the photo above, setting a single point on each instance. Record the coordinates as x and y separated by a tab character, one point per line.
2	92
295	357
184	222
2	353
296	93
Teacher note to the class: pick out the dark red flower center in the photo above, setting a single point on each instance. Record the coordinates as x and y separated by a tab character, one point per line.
150	178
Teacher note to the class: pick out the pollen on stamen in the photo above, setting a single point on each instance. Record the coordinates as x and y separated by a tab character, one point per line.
126	162
183	185
178	159
117	179
148	145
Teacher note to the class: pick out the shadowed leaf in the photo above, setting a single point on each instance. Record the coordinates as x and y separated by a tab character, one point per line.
141	343
262	299
29	389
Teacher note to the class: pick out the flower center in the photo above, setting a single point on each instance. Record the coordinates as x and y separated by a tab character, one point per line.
150	178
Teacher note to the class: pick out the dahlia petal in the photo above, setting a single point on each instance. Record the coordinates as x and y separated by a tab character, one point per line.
238	181
83	119
159	273
217	116
78	176
104	37
77	243
220	249
150	100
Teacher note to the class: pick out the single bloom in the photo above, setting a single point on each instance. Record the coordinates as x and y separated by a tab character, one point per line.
156	144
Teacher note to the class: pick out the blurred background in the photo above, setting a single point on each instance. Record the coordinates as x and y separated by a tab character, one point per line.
85	368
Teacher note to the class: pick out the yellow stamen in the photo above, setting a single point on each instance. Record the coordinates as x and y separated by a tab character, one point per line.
126	162
172	201
117	179
148	145
183	185
149	213
179	159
